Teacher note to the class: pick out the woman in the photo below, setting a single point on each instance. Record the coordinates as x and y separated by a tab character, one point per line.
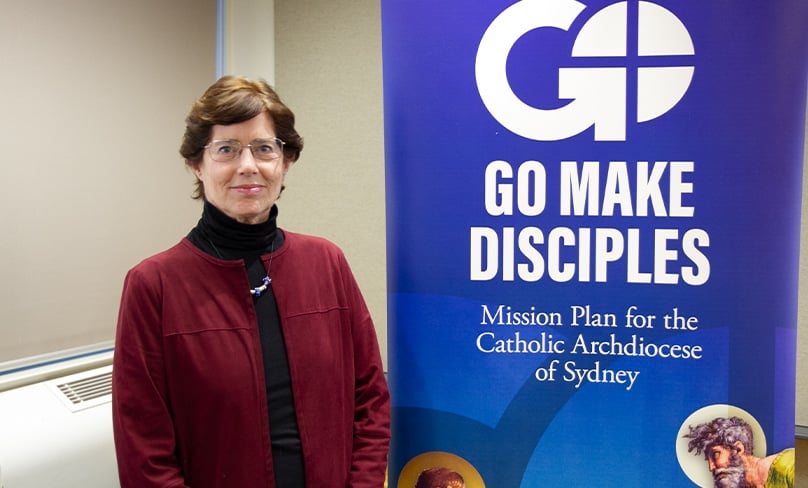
245	355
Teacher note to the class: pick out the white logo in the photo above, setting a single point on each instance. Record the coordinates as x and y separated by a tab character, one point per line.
598	93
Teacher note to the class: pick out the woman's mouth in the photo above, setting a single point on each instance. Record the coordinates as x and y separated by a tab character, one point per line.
248	189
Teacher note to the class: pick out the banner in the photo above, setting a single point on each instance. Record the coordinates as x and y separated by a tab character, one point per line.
593	238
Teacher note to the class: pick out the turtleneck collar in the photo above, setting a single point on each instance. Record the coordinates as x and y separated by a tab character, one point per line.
226	238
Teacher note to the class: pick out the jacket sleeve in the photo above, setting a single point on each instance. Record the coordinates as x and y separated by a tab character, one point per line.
142	422
371	440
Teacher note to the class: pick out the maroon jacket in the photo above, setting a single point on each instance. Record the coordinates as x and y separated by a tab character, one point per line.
189	396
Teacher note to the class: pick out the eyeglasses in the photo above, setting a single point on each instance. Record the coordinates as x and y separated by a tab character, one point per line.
261	149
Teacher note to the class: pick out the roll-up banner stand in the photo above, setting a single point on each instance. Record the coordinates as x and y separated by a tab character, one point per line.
593	240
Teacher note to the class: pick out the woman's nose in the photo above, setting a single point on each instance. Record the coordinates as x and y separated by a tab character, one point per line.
246	161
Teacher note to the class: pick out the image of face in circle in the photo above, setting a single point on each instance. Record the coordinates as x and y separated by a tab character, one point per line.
728	445
438	469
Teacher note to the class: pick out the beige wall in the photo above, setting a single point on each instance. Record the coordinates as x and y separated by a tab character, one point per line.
249	38
802	332
328	70
95	93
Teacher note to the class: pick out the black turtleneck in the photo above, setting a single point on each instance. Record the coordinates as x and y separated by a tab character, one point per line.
225	238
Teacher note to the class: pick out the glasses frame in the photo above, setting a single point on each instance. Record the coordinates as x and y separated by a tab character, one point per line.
239	148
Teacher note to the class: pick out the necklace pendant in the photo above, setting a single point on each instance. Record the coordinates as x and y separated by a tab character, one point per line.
259	290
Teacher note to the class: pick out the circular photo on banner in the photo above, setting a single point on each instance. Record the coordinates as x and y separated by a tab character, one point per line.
439	469
705	425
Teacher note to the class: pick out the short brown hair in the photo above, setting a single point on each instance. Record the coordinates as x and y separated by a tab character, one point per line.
231	100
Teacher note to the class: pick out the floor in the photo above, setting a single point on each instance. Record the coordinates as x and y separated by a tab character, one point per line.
801	472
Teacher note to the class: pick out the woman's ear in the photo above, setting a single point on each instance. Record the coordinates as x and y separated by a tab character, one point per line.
194	167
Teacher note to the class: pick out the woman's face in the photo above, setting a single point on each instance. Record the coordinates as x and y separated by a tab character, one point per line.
245	188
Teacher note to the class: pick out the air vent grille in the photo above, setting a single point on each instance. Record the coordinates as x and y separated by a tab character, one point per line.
88	388
84	390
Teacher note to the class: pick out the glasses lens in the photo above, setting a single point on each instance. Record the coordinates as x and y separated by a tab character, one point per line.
266	149
262	149
224	150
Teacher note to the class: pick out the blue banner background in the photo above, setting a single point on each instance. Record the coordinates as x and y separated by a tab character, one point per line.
741	122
